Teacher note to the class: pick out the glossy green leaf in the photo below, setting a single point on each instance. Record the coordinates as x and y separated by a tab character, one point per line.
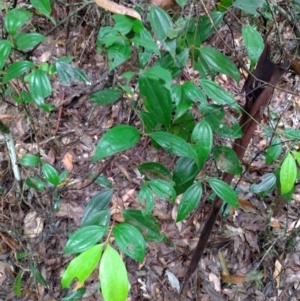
98	202
274	150
16	69
99	218
184	125
184	174
148	225
227	160
124	24
202	136
106	96
163	189
157	100
130	241
254	43
28	40
50	174
224	191
153	170
189	201
75	296
15	19
43	6
146	43
157	72
193	92
30	160
149	121
5	48
288	174
249	6
66	72
118	53
146	199
220	62
82	266
174	144
267	184
35	182
160	21
220	96
113	276
39	85
116	140
84	238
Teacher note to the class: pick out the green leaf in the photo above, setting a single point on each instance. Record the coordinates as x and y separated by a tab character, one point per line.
116	140
181	3
98	202
50	174
130	241
146	195
160	21
158	72
249	6
219	62
163	189
5	48
157	100
149	121
203	137
124	24
30	160
189	201
18	285
148	225
153	170
147	44
99	218
43	6
15	19
254	43
184	174
35	182
118	53
174	144
224	191
84	238
16	69
38	276
297	156
274	150
293	134
28	40
75	296
267	184
288	174
106	96
102	181
193	92
113	276
82	266
227	160
220	96
66	72
39	85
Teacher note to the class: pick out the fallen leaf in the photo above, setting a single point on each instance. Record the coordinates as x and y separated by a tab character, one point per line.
277	273
67	161
33	225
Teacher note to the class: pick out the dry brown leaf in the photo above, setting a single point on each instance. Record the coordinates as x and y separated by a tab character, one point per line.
33	225
247	206
223	263
277	273
118	9
233	279
165	4
71	210
67	161
216	281
3	267
275	223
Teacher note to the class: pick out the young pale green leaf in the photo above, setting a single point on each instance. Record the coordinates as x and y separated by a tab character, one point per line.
130	241
146	199
16	69
160	21
254	43
84	238
153	170
28	40
99	218
224	191
274	150
220	96
5	48
184	174
189	201
174	144
30	160
118	53
39	85
157	100
116	140
15	19
75	296
106	96
113	276
288	174
35	182
148	225
82	266
266	185
220	62
50	174
163	189
98	202
227	160
203	137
